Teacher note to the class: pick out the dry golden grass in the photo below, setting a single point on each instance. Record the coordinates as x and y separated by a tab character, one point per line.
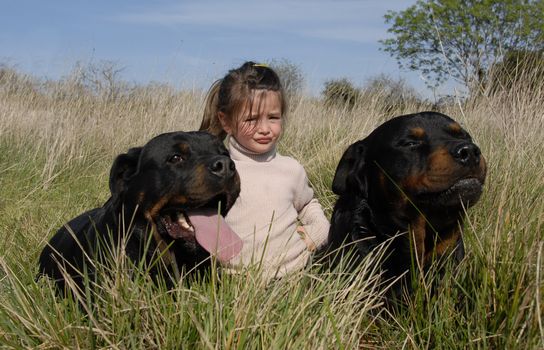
57	142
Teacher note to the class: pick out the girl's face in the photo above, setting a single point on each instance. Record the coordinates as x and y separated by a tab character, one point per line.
260	123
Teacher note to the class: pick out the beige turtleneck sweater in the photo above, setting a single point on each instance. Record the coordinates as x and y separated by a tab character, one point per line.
275	198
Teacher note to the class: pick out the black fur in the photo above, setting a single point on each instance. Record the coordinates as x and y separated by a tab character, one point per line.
415	173
175	171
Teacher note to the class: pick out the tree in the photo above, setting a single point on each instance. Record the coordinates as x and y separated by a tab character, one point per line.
462	39
290	75
518	70
102	78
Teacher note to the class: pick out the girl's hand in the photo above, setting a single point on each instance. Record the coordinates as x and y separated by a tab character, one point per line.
309	243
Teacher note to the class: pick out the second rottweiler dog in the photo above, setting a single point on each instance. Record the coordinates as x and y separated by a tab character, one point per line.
410	182
164	202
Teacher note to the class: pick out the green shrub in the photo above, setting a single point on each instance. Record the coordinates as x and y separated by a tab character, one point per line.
518	70
341	93
291	77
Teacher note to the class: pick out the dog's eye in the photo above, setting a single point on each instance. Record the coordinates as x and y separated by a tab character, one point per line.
176	158
410	143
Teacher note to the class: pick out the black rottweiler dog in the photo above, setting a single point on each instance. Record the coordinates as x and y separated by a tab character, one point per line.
410	182
165	197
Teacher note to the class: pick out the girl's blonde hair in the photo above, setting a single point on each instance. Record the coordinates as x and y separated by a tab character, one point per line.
231	94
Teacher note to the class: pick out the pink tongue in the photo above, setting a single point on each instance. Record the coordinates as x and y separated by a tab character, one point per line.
215	235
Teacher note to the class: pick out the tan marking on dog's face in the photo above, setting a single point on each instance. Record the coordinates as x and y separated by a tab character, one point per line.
184	147
455	128
199	178
199	187
153	212
437	176
417	132
178	200
440	163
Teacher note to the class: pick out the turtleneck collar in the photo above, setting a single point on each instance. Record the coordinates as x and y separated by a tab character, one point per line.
240	153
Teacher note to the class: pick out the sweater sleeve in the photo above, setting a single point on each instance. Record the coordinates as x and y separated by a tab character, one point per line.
310	212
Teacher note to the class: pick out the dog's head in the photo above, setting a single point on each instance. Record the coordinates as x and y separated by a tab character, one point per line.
424	162
178	182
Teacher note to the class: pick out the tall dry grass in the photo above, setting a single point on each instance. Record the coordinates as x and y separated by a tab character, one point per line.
57	142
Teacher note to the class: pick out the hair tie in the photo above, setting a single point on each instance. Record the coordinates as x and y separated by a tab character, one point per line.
261	65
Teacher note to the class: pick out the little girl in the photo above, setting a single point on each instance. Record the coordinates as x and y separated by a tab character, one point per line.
248	105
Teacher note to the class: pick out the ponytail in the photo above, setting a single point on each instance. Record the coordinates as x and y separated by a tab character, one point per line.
210	120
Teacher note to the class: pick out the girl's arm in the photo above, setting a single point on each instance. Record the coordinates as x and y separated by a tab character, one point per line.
310	213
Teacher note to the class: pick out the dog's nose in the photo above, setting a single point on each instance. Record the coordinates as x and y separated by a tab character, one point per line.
222	167
467	154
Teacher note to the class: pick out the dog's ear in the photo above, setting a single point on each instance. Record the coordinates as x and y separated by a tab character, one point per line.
124	166
349	177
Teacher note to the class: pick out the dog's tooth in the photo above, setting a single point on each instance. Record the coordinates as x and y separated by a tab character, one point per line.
183	222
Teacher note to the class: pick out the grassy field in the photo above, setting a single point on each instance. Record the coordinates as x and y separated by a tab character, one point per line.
57	143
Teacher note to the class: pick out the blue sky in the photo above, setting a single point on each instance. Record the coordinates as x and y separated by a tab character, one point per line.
192	43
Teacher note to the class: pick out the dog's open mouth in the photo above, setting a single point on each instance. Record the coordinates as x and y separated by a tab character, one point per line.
204	224
466	191
177	224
